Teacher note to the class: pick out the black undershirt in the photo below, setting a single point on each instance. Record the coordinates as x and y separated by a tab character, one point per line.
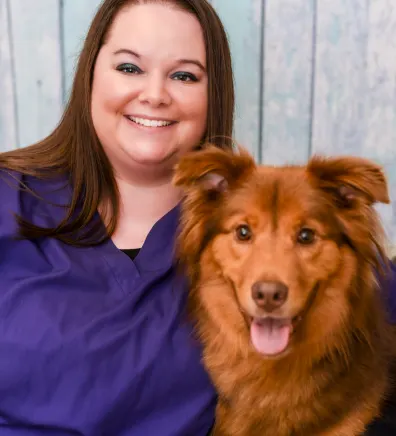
131	252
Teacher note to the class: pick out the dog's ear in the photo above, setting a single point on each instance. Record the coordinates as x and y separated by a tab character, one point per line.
206	177
351	180
212	169
353	185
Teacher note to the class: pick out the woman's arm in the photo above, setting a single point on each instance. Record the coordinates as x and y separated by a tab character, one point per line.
386	424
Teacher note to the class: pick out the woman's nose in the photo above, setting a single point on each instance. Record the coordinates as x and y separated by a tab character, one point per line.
154	91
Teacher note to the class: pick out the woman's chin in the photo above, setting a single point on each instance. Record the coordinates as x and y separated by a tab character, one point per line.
154	158
146	153
145	164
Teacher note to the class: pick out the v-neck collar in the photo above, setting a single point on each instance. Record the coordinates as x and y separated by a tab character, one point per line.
157	252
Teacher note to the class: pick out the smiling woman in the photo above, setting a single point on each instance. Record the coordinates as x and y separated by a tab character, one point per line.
75	149
149	104
96	337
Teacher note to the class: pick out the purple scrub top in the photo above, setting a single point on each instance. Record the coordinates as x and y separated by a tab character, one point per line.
91	342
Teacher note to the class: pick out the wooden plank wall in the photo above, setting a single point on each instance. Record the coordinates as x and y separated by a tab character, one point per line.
312	76
8	118
34	36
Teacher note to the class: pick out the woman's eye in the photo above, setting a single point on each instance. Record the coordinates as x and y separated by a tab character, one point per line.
184	77
306	236
243	233
129	68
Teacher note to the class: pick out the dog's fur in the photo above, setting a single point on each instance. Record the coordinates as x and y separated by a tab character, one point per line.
335	371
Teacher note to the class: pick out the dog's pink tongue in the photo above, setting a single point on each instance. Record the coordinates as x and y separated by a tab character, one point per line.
270	336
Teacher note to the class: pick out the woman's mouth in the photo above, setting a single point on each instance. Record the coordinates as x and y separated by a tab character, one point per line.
148	122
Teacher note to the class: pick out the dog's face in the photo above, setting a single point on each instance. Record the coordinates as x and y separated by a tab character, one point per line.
287	240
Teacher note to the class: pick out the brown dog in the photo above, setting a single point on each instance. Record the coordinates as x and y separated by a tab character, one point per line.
282	263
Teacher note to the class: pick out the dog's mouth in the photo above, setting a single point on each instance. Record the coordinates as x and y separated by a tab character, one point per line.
271	336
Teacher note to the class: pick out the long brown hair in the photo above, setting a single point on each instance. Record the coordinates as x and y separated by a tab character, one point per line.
73	148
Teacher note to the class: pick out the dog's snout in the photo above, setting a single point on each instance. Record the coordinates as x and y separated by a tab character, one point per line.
269	295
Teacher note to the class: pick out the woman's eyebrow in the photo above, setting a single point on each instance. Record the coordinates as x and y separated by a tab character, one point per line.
127	51
179	61
192	61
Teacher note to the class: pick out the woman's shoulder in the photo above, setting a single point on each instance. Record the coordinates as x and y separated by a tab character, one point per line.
14	181
30	197
10	182
388	285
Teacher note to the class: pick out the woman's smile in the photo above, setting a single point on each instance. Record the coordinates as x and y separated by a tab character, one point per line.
150	124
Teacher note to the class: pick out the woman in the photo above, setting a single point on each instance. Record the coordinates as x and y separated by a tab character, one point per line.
93	334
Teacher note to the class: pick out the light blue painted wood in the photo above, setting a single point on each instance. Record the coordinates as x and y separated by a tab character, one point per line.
388	212
288	47
243	23
76	18
354	88
340	76
38	74
8	138
380	138
380	135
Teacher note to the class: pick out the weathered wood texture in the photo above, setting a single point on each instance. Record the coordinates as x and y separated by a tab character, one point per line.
75	20
243	23
354	94
8	118
311	76
288	73
36	57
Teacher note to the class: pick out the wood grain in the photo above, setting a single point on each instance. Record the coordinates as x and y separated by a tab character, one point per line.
38	72
8	119
339	116
243	24
76	16
380	138
288	74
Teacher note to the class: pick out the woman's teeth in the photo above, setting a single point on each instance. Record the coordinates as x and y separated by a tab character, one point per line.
150	123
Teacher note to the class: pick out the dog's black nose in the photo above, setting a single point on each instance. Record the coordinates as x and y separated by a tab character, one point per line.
269	295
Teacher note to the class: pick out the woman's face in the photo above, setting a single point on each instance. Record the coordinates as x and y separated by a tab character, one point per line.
149	95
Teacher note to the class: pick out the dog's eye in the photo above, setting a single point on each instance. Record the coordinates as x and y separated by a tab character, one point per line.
306	236
243	232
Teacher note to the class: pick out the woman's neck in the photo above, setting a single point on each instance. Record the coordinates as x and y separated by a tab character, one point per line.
140	208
